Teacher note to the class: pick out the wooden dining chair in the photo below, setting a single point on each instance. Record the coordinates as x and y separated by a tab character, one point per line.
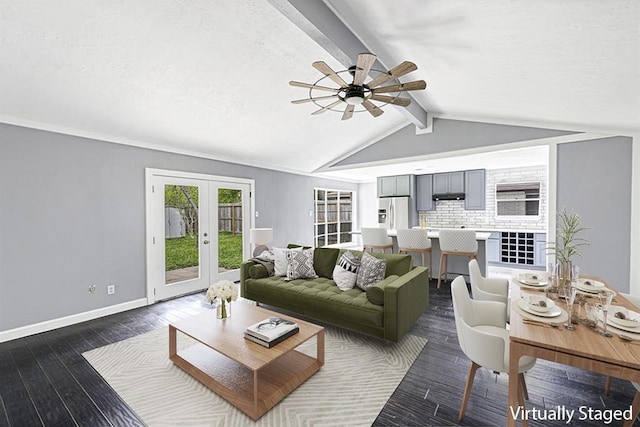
483	337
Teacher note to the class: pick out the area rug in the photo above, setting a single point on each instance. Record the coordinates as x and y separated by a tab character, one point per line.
359	376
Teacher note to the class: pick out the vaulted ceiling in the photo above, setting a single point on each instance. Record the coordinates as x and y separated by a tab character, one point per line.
211	78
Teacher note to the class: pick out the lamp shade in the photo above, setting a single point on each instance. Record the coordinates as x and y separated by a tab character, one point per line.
260	236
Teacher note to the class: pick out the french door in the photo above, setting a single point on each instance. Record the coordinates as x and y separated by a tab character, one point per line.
197	231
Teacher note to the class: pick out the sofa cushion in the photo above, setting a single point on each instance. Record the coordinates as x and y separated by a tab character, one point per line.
324	260
300	264
320	295
371	271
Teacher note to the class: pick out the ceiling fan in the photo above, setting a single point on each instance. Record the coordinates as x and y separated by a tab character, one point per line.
358	92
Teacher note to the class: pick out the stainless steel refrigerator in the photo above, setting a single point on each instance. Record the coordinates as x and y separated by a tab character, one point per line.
393	212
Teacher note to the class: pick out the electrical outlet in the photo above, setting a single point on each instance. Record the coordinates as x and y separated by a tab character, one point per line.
111	289
257	214
92	288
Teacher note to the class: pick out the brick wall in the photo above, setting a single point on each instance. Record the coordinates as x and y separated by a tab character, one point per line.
451	213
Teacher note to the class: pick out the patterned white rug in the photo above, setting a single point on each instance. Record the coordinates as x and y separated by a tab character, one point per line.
358	377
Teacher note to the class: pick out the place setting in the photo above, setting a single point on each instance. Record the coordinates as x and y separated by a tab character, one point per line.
533	280
625	322
539	309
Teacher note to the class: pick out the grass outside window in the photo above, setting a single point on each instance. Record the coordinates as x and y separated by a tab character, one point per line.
183	252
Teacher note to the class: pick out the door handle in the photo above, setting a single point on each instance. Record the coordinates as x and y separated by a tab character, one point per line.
206	242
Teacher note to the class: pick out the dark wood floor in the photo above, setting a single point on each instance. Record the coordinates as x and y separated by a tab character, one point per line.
44	380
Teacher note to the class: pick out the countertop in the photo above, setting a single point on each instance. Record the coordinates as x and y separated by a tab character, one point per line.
432	233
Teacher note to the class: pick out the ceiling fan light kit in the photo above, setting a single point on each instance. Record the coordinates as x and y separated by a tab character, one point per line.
359	92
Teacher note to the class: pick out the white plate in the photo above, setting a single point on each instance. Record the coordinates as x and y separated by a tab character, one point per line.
554	312
635	331
590	285
537	308
532	279
627	323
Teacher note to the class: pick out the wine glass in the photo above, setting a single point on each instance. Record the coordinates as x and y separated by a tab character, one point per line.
552	273
571	297
605	296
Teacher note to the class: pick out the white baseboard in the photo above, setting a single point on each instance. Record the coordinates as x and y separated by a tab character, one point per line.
49	325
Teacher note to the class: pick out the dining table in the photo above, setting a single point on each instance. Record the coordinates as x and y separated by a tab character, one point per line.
583	348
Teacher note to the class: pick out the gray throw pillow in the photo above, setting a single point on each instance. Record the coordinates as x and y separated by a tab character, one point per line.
371	271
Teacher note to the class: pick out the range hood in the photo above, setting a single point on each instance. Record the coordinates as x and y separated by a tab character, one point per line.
448	196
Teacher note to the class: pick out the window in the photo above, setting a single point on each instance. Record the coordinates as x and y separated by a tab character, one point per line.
333	216
518	199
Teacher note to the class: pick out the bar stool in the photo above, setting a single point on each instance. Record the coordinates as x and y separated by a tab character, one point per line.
376	238
416	240
456	242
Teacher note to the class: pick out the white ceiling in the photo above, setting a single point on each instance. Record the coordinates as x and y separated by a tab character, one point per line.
211	78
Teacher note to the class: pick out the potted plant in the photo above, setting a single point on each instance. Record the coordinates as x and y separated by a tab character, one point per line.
568	243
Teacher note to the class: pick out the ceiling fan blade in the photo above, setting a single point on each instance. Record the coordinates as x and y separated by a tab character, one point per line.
327	107
312	86
403	102
371	108
363	66
398	71
417	85
302	101
348	112
327	71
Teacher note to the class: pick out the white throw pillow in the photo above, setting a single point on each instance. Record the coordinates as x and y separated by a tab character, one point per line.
300	264
281	264
346	271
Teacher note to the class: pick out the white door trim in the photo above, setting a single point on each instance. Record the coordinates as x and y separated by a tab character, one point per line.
150	173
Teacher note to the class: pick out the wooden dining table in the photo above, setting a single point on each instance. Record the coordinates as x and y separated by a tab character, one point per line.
582	348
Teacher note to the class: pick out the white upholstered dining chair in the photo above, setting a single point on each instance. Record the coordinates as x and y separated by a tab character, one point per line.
416	240
376	238
458	242
487	288
483	337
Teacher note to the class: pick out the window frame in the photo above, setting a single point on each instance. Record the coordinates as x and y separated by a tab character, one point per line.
322	217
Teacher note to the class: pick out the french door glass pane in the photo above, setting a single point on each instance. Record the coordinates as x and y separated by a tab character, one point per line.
229	229
182	255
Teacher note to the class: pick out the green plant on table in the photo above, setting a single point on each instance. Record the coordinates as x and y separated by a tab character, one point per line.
568	242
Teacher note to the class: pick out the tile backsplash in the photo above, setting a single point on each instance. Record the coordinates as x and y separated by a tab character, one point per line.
451	213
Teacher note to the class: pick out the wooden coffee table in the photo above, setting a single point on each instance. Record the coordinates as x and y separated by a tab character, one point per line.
249	376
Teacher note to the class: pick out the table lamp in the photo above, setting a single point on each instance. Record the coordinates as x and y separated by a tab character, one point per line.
260	237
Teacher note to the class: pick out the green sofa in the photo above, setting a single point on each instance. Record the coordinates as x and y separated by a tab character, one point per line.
387	310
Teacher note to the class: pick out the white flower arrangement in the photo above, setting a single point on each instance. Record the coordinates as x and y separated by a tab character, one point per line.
225	290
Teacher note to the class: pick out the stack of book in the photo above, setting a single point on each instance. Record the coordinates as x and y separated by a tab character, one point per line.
271	331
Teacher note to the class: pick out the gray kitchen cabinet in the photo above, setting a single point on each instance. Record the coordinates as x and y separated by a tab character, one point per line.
424	193
493	247
395	186
541	249
474	185
448	182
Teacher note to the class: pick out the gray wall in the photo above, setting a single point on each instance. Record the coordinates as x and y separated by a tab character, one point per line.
72	213
594	180
447	135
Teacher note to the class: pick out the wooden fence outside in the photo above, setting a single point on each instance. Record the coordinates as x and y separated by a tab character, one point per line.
230	218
